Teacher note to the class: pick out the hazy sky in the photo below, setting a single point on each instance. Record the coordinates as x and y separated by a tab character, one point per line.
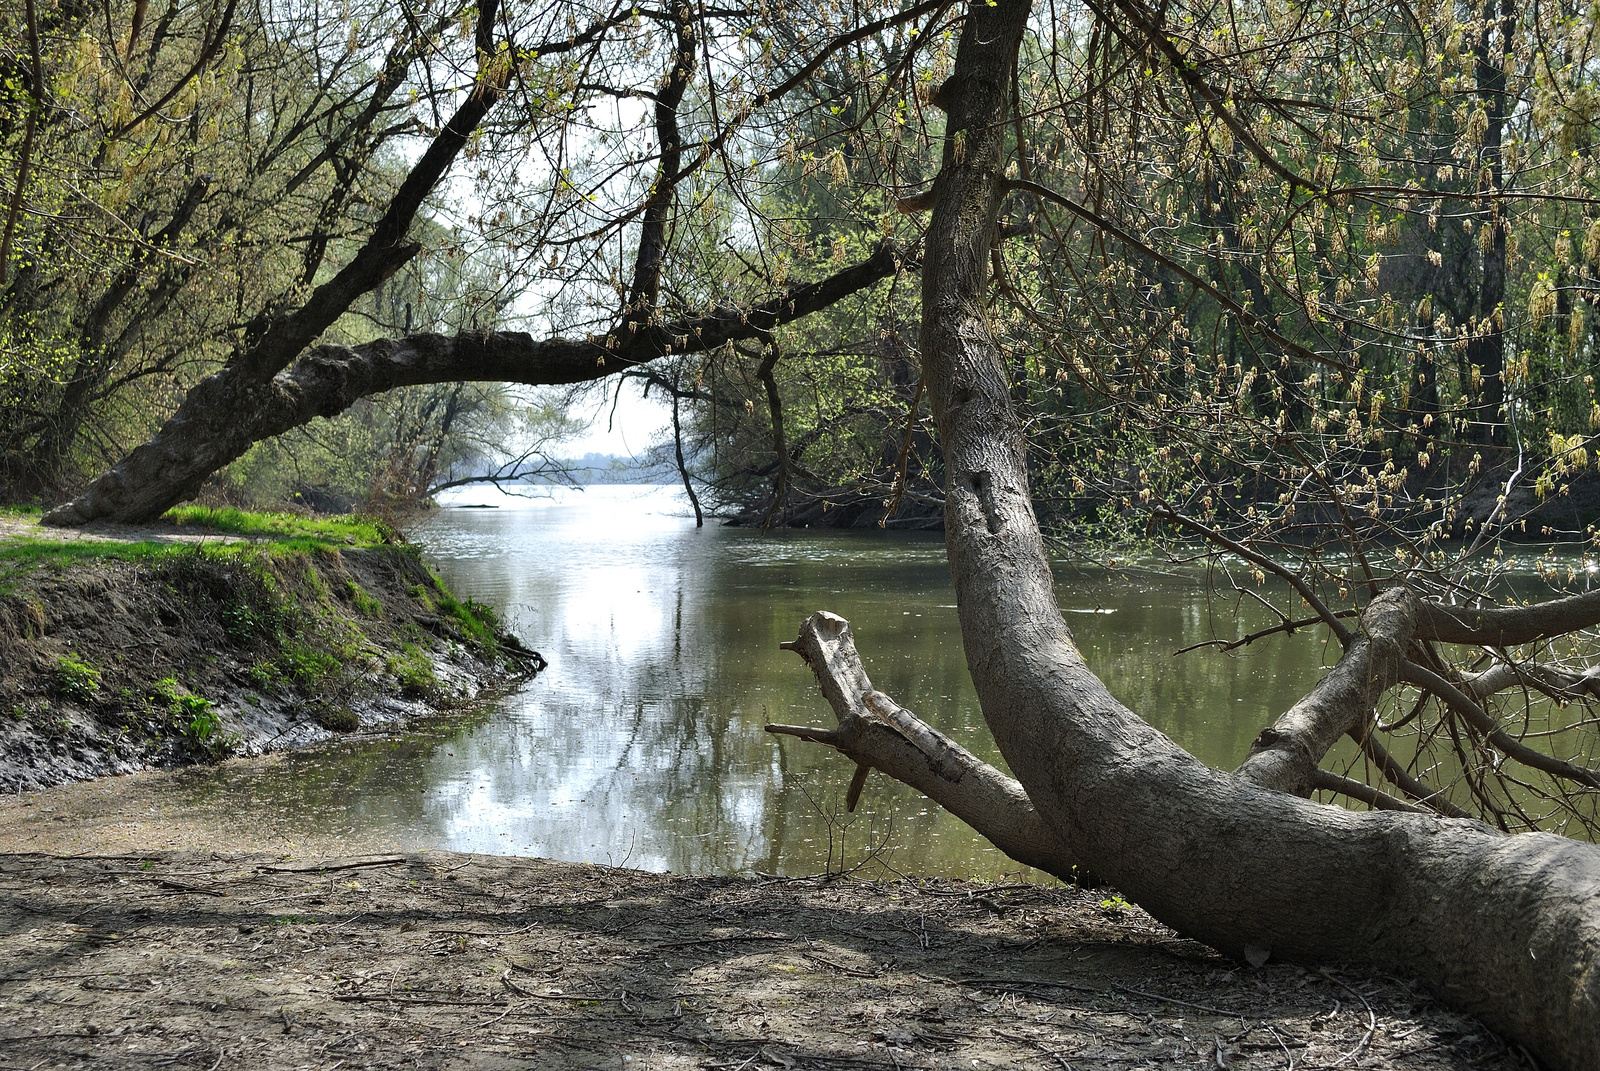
635	423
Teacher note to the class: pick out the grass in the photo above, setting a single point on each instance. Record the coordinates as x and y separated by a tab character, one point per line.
283	532
281	597
338	531
414	670
25	554
477	622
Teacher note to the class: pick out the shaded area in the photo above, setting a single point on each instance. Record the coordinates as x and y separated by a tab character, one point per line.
443	960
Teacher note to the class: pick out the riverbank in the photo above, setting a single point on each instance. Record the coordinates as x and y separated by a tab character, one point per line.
438	960
219	634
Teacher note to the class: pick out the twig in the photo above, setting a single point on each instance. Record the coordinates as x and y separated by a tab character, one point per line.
1357	790
317	868
1244	641
1372	1018
687	943
1289	576
851	971
377	998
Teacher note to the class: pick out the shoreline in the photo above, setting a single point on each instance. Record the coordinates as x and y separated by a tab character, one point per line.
174	645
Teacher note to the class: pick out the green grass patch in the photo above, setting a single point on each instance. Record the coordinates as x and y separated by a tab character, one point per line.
340	531
306	666
365	604
414	670
75	679
25	553
21	512
478	623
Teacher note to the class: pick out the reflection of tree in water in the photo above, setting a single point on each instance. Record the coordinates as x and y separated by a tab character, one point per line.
645	740
367	785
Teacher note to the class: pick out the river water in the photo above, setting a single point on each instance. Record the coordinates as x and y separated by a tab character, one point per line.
642	744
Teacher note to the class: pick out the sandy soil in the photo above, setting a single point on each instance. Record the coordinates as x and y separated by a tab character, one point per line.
434	960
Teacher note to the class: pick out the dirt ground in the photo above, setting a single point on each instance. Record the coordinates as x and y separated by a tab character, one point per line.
436	960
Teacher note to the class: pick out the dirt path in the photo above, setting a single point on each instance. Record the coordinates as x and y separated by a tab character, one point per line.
434	960
12	527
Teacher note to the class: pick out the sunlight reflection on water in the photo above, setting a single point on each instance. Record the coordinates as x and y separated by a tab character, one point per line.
643	742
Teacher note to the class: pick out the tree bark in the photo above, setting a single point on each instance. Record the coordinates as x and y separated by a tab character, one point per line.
1506	927
225	413
879	733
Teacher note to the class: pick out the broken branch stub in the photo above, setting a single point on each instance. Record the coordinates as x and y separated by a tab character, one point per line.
879	733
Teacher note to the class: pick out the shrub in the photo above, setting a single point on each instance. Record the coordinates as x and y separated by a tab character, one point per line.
76	679
194	717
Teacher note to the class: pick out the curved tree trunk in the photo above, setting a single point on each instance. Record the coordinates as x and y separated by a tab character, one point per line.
226	413
1506	927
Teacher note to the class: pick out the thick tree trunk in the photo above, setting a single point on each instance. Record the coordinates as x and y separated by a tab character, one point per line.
1507	927
226	413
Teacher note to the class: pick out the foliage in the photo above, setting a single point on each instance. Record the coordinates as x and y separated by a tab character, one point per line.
194	718
76	679
182	185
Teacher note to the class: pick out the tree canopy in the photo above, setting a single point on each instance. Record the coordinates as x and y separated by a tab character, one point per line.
1307	288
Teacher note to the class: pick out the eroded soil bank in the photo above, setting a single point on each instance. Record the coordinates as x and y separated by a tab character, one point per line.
435	960
158	647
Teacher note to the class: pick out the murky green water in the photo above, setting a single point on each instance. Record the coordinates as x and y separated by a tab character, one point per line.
643	742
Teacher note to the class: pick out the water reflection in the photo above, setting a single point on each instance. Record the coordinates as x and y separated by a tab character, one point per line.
643	742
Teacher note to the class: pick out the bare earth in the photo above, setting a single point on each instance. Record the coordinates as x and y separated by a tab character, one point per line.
434	960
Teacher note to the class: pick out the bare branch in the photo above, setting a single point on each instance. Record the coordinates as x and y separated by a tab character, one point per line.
1358	790
1507	626
1481	720
876	731
1289	576
1286	754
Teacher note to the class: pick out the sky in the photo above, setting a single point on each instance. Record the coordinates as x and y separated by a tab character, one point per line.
635	423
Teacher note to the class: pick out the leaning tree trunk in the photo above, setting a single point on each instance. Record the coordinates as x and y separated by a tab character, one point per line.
1505	926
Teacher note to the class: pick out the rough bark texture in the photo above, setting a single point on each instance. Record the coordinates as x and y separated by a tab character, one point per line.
226	413
878	733
1508	927
1507	626
1286	755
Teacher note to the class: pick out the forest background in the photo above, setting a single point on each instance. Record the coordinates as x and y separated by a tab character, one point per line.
1258	262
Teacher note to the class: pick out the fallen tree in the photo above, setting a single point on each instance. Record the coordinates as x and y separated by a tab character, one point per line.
277	378
224	415
1505	926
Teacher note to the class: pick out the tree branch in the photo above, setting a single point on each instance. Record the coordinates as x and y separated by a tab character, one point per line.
1507	626
224	414
877	732
1286	755
1481	720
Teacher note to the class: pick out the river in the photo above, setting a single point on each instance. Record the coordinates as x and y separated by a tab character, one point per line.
642	744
